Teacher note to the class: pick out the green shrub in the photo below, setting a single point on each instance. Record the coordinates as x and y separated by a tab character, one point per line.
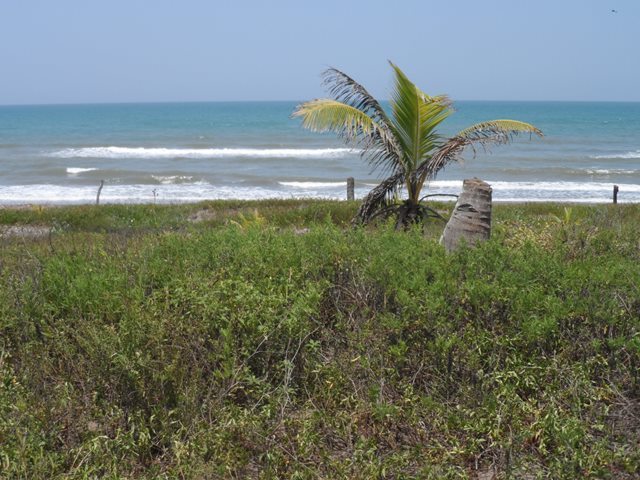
260	350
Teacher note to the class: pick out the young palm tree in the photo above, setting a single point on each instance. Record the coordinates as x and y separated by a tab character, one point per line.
404	144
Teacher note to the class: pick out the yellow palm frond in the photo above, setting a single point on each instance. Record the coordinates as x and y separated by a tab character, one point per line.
501	129
324	115
357	127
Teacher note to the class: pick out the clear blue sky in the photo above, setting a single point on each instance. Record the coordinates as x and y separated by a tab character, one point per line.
78	51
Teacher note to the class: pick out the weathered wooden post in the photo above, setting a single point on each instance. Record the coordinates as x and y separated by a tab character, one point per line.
350	188
471	218
99	191
615	194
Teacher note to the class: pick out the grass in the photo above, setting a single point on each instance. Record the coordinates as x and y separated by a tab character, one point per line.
111	218
269	340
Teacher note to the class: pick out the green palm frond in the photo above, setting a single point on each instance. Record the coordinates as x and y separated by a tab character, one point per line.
415	118
442	99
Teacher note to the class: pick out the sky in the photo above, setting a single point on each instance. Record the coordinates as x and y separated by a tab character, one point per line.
84	51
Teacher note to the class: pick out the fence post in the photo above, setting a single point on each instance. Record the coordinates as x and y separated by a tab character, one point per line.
350	188
615	194
99	191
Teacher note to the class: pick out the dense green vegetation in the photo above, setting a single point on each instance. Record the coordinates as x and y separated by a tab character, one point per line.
270	340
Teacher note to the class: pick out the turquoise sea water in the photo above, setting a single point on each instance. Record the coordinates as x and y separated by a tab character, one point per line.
195	151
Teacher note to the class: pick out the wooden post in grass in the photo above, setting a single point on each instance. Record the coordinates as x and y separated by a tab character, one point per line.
99	191
350	188
615	194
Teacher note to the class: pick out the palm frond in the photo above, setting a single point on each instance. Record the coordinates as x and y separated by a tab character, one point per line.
345	89
415	118
441	99
377	198
387	153
497	131
484	133
322	115
451	151
356	127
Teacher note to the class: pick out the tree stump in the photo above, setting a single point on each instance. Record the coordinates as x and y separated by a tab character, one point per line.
470	221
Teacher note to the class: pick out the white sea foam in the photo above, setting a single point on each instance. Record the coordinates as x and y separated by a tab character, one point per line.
455	184
627	155
313	184
588	192
550	187
579	192
141	152
77	170
613	171
174	193
170	179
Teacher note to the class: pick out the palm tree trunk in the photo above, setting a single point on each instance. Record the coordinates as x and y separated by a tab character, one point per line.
408	214
471	218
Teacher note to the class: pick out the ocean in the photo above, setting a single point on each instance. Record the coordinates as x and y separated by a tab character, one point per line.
186	152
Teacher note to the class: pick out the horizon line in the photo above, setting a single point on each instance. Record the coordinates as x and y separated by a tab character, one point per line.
169	102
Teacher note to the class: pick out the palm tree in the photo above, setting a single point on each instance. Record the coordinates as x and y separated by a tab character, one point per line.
405	145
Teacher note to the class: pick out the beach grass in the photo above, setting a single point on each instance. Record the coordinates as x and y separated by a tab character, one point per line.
272	340
112	217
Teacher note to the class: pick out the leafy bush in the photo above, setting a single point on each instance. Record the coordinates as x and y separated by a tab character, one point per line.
267	351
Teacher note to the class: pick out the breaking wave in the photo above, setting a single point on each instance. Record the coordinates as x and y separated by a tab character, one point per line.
77	170
627	155
173	189
142	152
171	179
313	184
